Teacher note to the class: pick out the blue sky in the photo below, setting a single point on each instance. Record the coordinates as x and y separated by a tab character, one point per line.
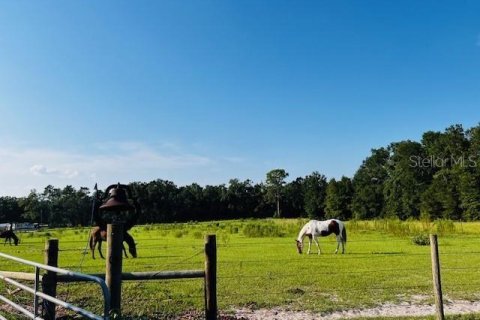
205	91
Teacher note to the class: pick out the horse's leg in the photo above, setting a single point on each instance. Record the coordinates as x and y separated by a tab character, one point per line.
92	248
100	249
309	244
339	239
316	242
124	251
93	244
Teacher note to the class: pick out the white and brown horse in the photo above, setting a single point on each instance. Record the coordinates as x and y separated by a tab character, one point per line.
314	229
97	235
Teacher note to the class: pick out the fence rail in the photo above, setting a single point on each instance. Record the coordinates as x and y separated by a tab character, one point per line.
9	277
112	293
409	275
139	276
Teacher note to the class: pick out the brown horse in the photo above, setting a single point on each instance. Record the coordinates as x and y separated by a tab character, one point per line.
97	235
9	236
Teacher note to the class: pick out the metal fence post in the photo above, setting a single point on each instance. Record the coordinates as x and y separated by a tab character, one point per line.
210	277
113	270
49	280
437	283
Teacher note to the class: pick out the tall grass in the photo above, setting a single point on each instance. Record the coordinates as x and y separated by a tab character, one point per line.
392	226
406	228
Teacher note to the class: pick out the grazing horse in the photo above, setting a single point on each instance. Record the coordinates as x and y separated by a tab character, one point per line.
97	235
314	229
9	235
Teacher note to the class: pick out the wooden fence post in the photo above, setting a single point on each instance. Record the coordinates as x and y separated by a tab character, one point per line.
49	280
210	277
113	271
437	283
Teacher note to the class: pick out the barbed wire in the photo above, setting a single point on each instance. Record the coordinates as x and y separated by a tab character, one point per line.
296	275
323	291
142	282
350	254
407	238
226	292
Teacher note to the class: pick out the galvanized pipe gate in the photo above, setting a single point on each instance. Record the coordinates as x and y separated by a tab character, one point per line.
111	286
48	299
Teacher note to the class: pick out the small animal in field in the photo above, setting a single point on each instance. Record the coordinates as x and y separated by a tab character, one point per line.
9	236
314	229
97	235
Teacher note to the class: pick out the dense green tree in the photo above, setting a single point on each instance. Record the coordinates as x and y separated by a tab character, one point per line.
215	202
32	207
158	200
315	190
368	201
407	178
263	208
434	146
191	199
240	198
52	199
470	177
441	199
294	203
452	181
10	210
338	200
469	192
274	187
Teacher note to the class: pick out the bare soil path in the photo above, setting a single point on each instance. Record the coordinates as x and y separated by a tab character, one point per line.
386	310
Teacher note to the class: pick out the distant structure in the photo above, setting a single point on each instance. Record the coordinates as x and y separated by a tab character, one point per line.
19	226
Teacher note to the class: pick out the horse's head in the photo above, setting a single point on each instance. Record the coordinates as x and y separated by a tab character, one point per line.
132	246
133	250
299	246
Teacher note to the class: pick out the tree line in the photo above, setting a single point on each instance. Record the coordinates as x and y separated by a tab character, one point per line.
437	177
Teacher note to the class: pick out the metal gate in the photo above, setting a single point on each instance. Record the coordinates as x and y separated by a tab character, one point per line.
9	277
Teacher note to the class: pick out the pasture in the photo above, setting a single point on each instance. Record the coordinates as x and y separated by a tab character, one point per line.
258	266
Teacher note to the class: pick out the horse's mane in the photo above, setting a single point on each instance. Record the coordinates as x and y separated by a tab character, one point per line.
303	231
127	237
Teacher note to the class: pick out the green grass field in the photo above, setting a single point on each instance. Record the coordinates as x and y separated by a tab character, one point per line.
258	265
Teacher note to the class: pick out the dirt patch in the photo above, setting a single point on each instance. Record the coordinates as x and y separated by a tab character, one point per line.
405	309
385	310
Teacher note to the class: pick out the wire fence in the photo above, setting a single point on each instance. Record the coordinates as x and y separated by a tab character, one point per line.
270	272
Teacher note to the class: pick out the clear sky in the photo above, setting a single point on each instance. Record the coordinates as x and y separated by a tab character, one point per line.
206	91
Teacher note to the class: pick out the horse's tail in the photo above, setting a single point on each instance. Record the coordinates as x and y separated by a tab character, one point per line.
90	241
344	234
